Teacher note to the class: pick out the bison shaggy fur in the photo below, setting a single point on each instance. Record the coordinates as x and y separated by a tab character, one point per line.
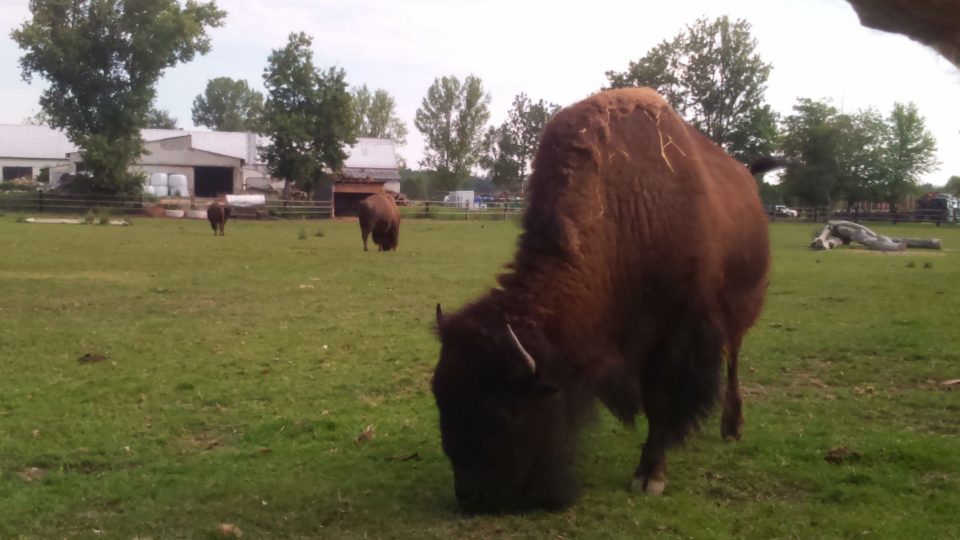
642	264
380	217
218	214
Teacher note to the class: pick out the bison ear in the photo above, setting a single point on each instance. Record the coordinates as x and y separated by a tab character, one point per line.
439	316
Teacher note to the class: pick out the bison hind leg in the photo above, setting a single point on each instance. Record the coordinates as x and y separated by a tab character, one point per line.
680	386
731	421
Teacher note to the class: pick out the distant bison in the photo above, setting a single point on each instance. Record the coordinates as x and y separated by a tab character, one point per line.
643	260
218	215
379	216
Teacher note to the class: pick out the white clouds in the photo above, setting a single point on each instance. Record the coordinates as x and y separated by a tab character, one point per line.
556	51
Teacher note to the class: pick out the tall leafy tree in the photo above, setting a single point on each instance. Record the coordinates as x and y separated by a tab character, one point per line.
376	115
160	119
712	75
511	147
853	157
861	155
810	142
38	119
228	105
953	186
451	118
911	151
102	59
308	115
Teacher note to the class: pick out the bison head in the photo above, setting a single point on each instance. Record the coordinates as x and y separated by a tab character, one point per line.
504	425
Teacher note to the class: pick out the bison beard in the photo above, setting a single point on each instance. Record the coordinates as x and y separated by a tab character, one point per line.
218	215
379	216
644	258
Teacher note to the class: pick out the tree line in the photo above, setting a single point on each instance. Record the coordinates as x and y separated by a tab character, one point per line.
103	59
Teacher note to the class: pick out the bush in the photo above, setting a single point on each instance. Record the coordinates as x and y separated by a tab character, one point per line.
303	234
319	233
104	220
90	218
21	218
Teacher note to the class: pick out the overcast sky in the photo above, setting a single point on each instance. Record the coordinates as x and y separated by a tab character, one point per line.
557	51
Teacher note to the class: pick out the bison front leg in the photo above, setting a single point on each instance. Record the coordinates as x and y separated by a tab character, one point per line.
651	475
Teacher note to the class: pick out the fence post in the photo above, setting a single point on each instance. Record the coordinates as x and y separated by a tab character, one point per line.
466	212
40	200
427	207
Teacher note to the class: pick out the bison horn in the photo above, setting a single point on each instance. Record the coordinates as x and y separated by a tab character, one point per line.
519	346
439	316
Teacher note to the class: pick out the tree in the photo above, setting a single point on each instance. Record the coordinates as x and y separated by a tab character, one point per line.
711	74
160	119
810	142
953	186
451	118
855	157
102	59
39	119
860	155
511	147
227	105
911	151
308	115
376	115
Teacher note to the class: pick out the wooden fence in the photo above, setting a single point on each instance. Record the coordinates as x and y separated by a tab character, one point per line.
40	202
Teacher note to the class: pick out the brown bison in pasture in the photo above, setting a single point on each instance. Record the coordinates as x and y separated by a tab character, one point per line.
218	214
379	216
642	263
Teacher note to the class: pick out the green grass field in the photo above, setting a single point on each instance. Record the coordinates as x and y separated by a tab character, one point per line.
240	371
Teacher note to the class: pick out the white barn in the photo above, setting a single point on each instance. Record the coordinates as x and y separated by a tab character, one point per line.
214	162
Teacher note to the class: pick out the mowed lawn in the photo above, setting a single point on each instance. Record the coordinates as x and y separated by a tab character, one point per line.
240	373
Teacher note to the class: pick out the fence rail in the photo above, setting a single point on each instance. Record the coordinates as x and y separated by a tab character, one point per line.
57	203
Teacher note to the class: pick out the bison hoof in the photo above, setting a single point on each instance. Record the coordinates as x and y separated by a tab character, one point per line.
731	428
648	486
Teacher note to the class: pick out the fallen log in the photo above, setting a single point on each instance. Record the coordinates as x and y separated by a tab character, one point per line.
836	233
922	243
825	240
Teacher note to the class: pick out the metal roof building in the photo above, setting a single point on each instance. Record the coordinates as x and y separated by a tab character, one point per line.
26	149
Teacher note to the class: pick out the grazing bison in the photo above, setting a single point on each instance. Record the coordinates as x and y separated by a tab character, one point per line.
379	216
642	262
218	215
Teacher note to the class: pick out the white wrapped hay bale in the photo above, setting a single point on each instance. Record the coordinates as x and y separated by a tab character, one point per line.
160	191
159	179
178	191
177	181
149	190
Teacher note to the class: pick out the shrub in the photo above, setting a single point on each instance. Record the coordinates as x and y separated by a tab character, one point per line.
104	220
21	218
319	233
90	218
303	234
